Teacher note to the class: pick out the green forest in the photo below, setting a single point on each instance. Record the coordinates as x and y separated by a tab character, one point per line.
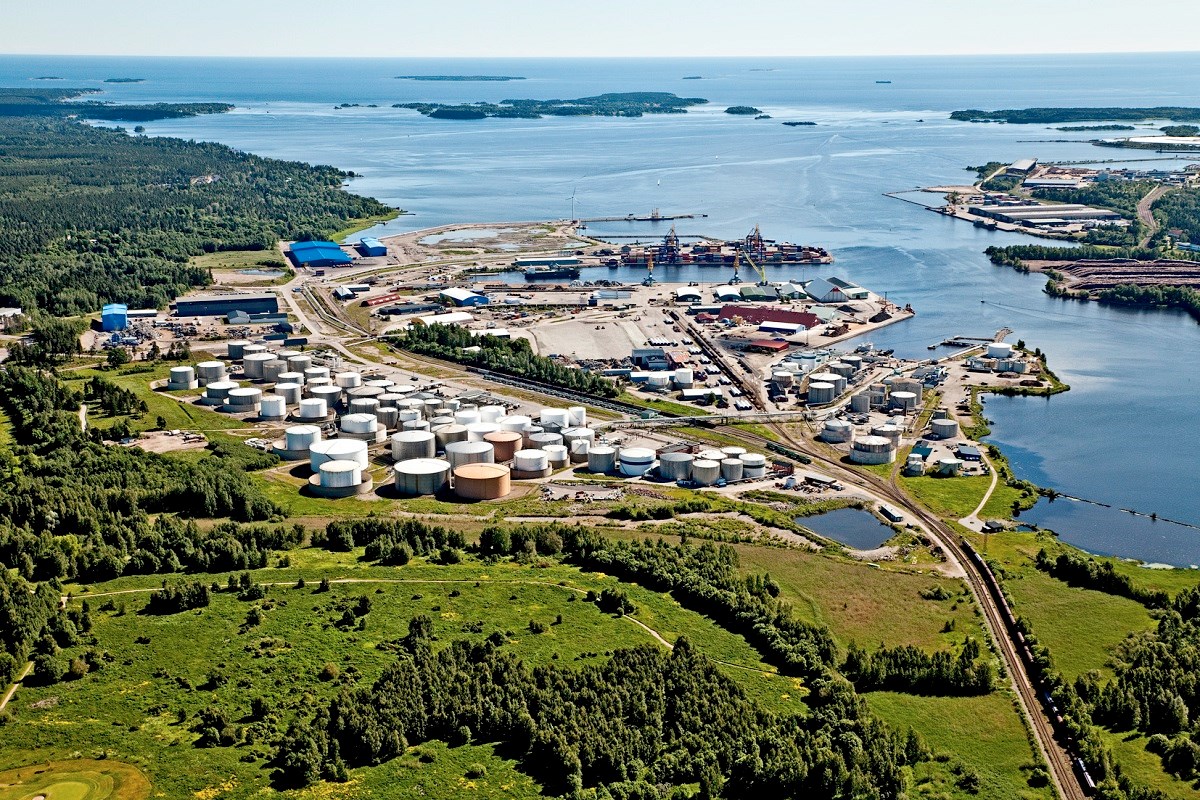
1033	116
616	104
93	215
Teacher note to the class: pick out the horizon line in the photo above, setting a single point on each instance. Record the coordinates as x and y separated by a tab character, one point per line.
626	57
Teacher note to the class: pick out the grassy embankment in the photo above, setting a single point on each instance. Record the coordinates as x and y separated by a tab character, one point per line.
240	260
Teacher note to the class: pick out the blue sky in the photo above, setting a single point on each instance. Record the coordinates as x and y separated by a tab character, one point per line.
403	28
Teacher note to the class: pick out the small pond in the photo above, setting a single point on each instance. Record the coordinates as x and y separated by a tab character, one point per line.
853	527
263	273
464	235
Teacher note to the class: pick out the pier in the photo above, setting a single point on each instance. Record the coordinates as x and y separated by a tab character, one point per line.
653	217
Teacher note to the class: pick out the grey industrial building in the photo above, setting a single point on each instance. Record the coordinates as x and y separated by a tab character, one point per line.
220	305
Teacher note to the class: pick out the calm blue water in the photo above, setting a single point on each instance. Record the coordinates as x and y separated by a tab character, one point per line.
852	527
1120	436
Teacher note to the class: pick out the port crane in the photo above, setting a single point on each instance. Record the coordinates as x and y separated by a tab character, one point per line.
649	279
737	266
751	248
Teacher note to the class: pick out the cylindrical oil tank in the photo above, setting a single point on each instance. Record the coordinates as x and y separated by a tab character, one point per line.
415	425
311	372
380	383
407	445
860	403
890	432
210	371
244	399
732	452
363	391
491	413
411	405
437	422
941	413
451	405
577	416
705	472
558	416
636	461
313	408
840	368
301	437
253	364
236	349
909	385
217	392
389	399
272	406
712	454
404	388
182	378
482	481
514	422
314	382
458	453
288	377
432	407
783	378
675	466
754	465
290	392
573	434
340	474
388	417
836	431
364	405
421	476
820	393
579	449
348	380
445	434
602	459
684	378
531	460
286	354
872	450
999	350
659	381
467	416
855	362
478	430
330	394
505	443
731	469
824	376
557	454
949	466
537	440
359	423
299	363
944	428
904	400
271	370
251	349
407	414
337	450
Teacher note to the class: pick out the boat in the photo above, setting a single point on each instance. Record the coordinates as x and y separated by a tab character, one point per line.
542	273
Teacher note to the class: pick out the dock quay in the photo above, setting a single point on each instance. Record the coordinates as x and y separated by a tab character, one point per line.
653	217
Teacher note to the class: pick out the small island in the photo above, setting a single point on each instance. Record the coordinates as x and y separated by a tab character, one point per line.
763	116
1031	116
617	104
67	102
743	110
124	80
460	78
693	77
1082	128
49	78
798	123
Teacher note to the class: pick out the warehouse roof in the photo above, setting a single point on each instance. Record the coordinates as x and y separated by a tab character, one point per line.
757	315
114	308
228	298
452	318
456	293
317	251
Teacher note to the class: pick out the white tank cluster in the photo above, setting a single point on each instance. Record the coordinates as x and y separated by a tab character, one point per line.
872	450
182	378
217	393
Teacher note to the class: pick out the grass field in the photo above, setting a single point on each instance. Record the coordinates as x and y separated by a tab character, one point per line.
1129	750
76	779
948	497
983	734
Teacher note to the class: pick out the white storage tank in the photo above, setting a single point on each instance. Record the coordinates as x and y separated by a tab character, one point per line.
313	408
602	459
421	476
216	392
820	393
579	449
731	452
540	440
243	399
253	364
438	422
531	461
684	378
340	474
404	388
286	354
290	392
299	363
432	407
577	416
407	445
837	431
904	400
754	465
364	405
999	350
491	413
712	454
337	450
467	416
872	450
659	381
271	370
312	373
841	369
363	391
388	417
315	382
477	431
445	434
515	422
348	380
210	371
705	472
449	406
359	423
390	400
637	461
505	444
860	403
291	377
415	425
331	395
950	467
731	469
556	416
944	428
459	453
272	407
301	437
558	455
890	432
237	349
783	378
182	378
253	349
853	361
576	434
675	466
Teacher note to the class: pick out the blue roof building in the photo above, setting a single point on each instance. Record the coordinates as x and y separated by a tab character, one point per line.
370	246
318	254
114	317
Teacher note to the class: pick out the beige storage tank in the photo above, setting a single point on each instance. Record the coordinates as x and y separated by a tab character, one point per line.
478	430
421	476
482	481
446	434
602	459
407	445
872	450
505	443
944	428
459	453
705	472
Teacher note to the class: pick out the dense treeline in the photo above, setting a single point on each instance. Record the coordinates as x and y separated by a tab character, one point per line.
1182	297
910	669
391	542
644	724
27	614
62	102
1014	255
1078	569
92	215
1030	116
1180	209
510	356
71	507
1120	196
176	599
613	104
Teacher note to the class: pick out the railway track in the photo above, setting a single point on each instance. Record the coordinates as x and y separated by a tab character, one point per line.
1062	770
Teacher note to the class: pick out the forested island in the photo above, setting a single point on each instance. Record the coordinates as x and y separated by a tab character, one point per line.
1029	116
618	104
1081	128
798	123
124	80
459	78
92	215
743	110
63	102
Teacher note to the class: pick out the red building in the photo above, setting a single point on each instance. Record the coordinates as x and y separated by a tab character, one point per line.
757	315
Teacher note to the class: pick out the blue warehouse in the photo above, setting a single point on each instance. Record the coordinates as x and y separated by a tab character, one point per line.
318	254
114	317
371	247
